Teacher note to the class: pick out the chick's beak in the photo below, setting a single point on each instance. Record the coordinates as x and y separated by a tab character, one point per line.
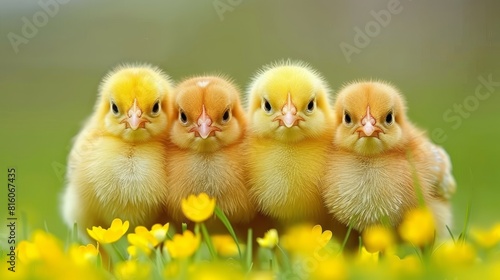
289	116
204	126
134	118
368	128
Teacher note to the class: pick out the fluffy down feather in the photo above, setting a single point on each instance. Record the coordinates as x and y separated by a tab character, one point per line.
208	130
291	126
381	163
117	165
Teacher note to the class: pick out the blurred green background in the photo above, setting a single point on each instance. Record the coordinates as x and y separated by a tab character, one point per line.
434	51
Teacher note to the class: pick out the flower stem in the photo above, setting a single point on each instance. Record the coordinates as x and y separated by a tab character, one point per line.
463	236
208	241
287	264
114	252
344	243
220	214
249	251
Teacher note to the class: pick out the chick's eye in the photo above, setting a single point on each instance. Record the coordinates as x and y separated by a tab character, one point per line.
183	117
156	108
389	118
311	105
267	106
114	108
347	118
226	116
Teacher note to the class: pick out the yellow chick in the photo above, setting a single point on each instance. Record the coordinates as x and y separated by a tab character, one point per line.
208	128
381	163
290	128
117	165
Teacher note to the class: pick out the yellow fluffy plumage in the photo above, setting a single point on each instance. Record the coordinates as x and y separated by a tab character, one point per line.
376	158
117	168
208	130
290	128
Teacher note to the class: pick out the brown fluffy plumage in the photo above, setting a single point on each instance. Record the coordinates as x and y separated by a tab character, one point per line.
117	166
208	129
377	157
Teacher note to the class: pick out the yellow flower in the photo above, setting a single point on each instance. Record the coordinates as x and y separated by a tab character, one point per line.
305	239
487	238
146	240
89	251
270	239
198	208
142	238
454	255
377	239
27	251
44	247
133	270
322	237
418	227
159	231
494	270
215	271
84	254
183	245
410	265
44	258
110	235
133	251
366	257
225	245
171	270
332	268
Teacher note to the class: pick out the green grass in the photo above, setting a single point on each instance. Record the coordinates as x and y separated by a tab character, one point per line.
48	88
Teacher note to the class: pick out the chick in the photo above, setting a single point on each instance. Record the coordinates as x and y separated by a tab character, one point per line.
381	163
208	129
290	128
117	165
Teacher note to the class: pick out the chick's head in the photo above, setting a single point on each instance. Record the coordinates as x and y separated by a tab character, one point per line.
209	114
289	102
134	102
370	118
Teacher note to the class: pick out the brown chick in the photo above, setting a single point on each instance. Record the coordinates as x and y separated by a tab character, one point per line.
117	166
208	129
381	163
